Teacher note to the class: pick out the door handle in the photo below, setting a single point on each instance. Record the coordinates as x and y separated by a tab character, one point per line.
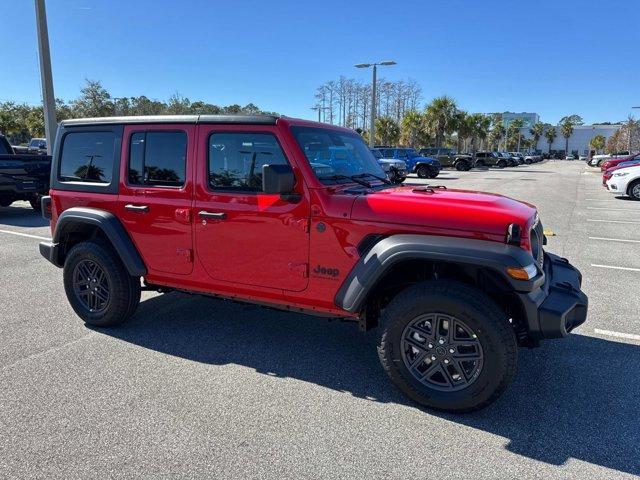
137	208
212	215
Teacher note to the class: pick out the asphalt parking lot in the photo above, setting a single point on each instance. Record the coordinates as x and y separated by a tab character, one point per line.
198	387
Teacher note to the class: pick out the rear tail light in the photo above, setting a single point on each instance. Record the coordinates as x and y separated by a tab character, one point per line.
45	203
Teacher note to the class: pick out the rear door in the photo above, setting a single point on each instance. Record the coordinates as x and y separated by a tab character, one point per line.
156	194
242	235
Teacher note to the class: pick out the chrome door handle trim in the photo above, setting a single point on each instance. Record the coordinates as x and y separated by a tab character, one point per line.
213	215
137	208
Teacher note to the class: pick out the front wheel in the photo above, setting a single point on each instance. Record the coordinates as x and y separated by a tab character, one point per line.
634	190
502	164
98	286
447	346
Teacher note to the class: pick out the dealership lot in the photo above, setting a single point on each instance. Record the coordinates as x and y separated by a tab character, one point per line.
200	387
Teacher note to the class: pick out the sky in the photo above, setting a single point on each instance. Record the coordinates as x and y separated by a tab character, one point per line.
552	57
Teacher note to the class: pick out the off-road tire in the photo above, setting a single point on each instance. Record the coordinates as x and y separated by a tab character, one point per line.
124	290
634	190
462	166
478	311
423	171
433	173
35	203
502	163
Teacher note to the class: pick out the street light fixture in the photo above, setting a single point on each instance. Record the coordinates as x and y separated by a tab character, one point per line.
372	127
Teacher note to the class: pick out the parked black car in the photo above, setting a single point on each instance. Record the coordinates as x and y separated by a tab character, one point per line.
22	177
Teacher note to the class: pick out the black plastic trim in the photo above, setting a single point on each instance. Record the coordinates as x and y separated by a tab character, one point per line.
169	119
110	226
396	248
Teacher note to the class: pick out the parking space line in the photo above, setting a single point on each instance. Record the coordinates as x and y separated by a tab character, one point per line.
615	209
20	234
612	221
613	267
614	240
630	336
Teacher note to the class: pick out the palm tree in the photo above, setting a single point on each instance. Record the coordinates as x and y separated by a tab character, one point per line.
497	134
598	142
482	124
440	117
412	129
536	131
566	128
513	134
387	130
550	134
464	129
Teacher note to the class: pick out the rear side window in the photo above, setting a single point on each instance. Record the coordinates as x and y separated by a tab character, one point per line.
236	159
158	159
87	157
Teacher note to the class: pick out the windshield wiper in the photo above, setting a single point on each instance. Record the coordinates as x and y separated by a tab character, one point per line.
353	178
382	179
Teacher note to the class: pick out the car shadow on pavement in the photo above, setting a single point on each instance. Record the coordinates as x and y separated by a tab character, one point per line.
21	217
573	398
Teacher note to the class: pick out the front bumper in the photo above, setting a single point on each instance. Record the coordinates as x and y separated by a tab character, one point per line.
558	306
49	250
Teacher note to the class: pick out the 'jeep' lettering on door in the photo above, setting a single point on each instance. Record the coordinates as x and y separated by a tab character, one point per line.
326	271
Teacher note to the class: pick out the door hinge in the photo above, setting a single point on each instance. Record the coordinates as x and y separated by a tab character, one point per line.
301	268
185	253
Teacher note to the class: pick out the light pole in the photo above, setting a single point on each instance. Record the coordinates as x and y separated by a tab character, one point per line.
46	78
372	127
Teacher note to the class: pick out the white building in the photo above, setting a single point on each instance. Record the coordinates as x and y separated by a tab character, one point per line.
578	141
528	118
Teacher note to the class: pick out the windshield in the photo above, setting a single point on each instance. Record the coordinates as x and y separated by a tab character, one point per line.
412	153
341	155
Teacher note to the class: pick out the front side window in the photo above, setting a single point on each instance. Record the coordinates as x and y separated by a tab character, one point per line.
87	157
236	159
335	155
158	159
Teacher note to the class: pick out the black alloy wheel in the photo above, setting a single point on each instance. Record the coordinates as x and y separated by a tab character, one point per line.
441	352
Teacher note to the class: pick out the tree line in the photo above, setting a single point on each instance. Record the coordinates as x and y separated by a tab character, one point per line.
20	122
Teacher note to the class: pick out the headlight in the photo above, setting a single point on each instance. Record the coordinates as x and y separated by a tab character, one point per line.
621	174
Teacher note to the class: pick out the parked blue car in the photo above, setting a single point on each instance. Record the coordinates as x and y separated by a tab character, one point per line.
424	167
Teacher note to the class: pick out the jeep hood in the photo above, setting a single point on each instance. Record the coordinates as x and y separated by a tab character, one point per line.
463	210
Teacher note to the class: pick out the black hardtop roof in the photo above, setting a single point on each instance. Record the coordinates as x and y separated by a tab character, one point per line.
219	119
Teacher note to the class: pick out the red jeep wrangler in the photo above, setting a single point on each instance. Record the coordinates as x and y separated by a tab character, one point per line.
299	216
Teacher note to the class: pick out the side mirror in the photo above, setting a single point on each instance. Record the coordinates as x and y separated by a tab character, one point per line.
277	179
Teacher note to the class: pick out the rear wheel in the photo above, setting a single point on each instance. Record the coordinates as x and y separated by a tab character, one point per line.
502	163
35	203
98	286
462	166
5	202
422	171
447	346
634	190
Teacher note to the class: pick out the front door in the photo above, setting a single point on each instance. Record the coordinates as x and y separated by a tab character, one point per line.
156	194
243	235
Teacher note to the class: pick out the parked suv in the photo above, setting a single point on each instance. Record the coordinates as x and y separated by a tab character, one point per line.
490	159
448	158
396	170
230	206
424	167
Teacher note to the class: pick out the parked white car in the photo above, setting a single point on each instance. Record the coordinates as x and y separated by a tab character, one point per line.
625	181
596	160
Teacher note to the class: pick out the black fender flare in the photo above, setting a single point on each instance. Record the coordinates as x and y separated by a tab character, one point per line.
397	248
112	228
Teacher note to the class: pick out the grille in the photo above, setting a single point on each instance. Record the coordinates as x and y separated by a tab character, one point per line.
537	236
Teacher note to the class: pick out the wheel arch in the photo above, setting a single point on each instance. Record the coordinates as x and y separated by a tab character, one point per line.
396	262
78	224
